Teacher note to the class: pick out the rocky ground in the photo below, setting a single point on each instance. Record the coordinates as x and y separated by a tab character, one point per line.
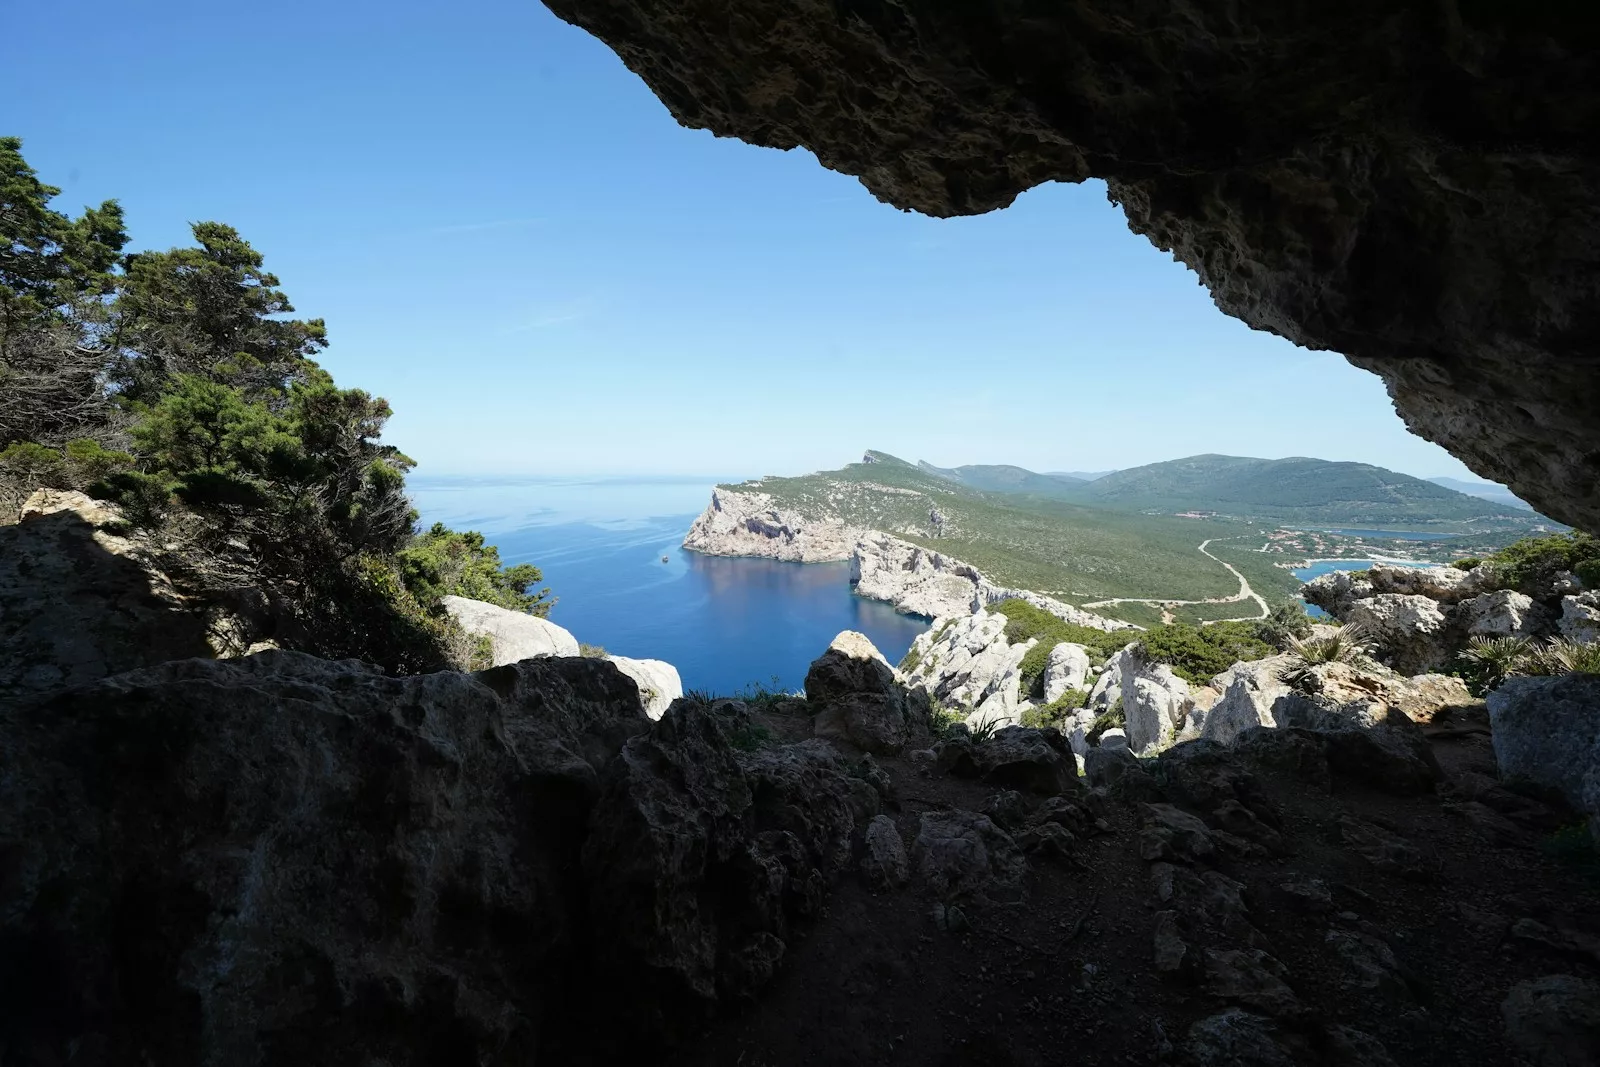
276	859
1203	908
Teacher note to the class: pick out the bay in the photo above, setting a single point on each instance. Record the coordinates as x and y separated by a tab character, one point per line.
725	623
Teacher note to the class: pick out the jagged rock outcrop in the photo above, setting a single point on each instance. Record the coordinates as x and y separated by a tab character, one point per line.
1547	731
1248	692
742	523
1067	668
920	581
857	698
513	635
1411	631
79	602
1410	230
268	859
1554	1020
1155	704
966	663
915	580
658	681
1580	618
1420	619
1503	613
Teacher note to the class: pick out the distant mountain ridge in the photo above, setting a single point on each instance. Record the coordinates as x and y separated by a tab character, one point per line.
1004	478
1487	490
1297	490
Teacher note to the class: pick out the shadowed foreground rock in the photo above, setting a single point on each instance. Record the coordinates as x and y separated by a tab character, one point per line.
1414	185
290	861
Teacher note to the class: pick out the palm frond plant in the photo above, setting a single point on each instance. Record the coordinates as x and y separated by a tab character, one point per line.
1351	645
1562	655
1491	660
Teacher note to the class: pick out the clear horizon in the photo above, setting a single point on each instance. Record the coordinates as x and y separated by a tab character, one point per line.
514	243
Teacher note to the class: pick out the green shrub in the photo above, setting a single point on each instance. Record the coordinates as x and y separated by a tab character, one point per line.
1466	564
1057	711
1024	621
1286	622
1588	572
1531	563
1561	655
1197	653
589	651
911	660
1113	718
445	562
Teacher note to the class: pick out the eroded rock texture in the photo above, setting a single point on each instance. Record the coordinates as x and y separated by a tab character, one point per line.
1414	185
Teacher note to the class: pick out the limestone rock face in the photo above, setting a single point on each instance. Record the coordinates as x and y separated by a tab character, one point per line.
1409	628
658	682
1067	668
915	580
1580	617
1246	702
1155	702
78	603
1412	236
1547	731
738	523
514	635
1502	613
858	697
961	853
283	828
966	663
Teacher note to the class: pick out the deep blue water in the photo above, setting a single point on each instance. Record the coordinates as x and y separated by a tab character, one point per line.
724	623
1394	535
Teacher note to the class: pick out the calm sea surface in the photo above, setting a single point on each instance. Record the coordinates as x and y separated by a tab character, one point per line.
724	623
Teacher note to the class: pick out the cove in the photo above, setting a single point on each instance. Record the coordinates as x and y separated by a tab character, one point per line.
725	623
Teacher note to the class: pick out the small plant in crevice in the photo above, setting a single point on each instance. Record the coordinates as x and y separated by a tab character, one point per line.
588	651
1113	718
1351	645
1057	711
1488	661
985	730
1562	655
942	721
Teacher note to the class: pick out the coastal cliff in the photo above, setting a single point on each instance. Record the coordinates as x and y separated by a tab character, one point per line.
739	523
916	580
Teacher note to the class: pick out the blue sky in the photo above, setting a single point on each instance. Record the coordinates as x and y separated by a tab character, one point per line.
514	242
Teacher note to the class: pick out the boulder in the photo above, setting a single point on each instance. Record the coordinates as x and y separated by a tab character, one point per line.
513	635
702	856
1410	632
1249	690
1580	618
1447	585
1155	705
962	853
967	663
858	697
1016	757
284	828
1546	731
1554	1021
1366	740
1066	668
658	682
1336	592
79	602
1420	698
1503	613
883	861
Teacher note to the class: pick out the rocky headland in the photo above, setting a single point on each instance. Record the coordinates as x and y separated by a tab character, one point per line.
916	580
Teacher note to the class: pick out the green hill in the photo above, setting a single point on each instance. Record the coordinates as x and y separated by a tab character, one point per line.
1003	478
1052	546
1297	490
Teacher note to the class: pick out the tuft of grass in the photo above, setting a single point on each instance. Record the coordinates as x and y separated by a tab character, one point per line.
1561	655
591	651
911	660
985	730
766	695
1349	644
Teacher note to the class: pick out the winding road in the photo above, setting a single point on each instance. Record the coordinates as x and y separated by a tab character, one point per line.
1244	593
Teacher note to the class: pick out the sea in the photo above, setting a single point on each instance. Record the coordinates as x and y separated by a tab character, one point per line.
610	550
